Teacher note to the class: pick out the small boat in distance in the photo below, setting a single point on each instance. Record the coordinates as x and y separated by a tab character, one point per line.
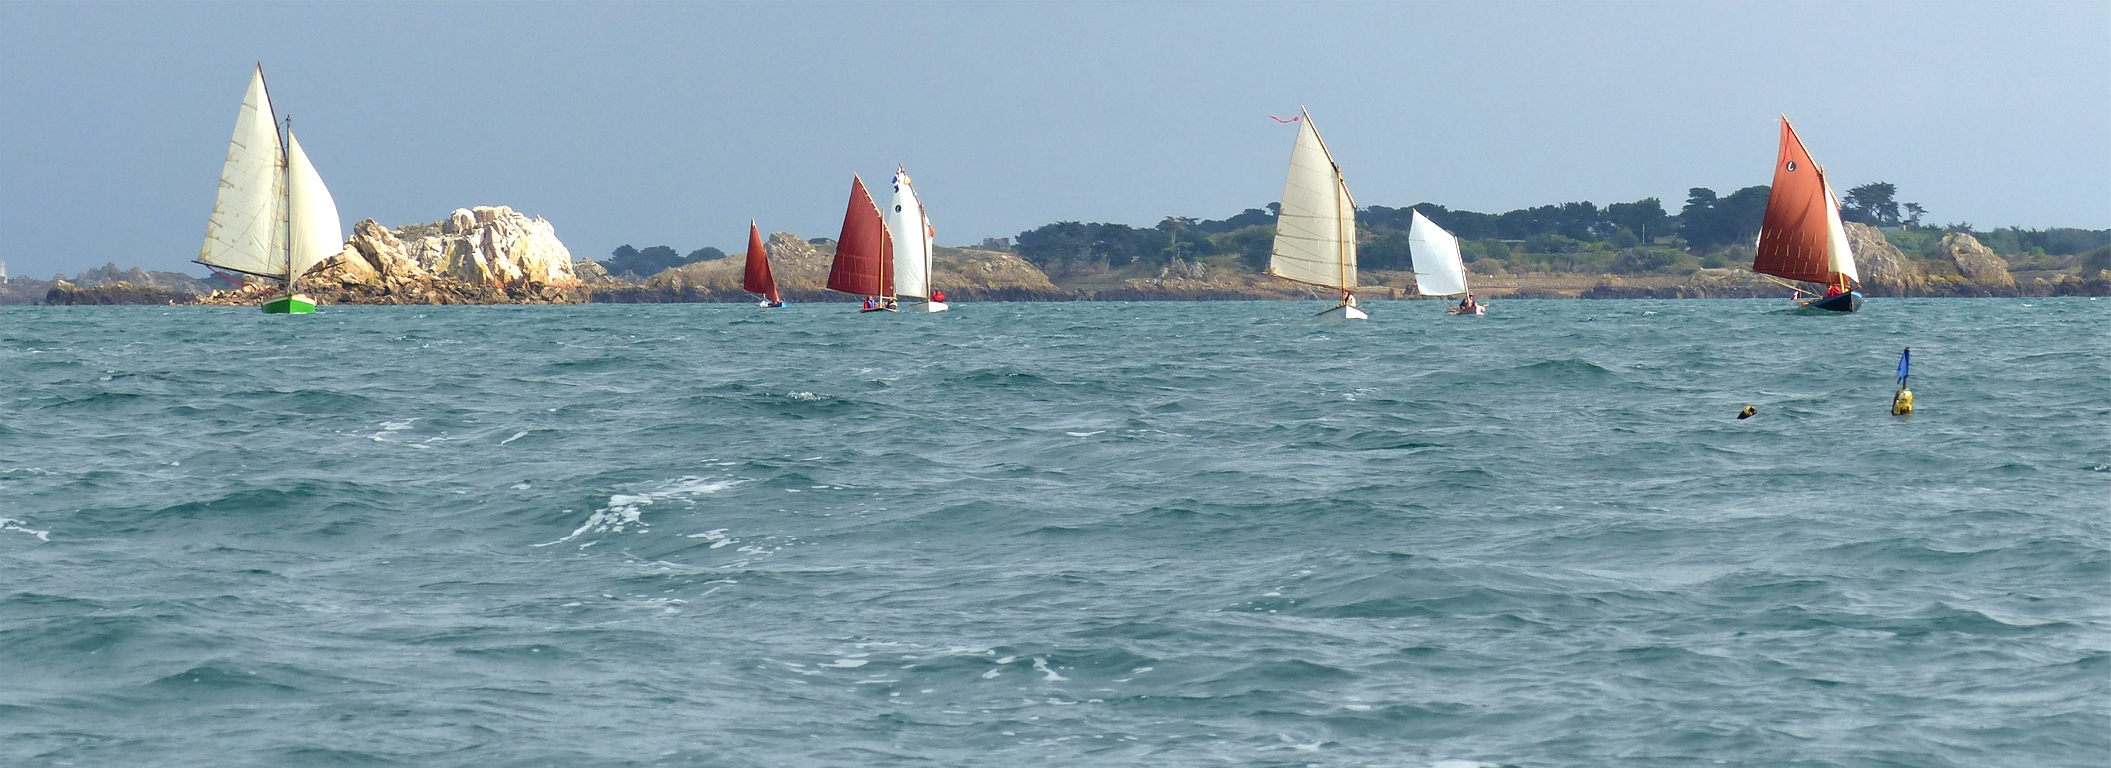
272	217
912	233
1802	237
864	263
1315	230
1438	269
756	279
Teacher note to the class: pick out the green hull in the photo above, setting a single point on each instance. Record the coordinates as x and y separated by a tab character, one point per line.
289	305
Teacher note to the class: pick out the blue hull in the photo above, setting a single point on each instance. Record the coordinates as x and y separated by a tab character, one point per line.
1846	302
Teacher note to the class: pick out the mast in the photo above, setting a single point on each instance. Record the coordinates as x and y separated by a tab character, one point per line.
1344	219
286	223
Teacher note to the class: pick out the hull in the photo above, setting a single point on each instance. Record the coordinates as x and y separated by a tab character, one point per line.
1344	312
1477	311
1846	302
289	305
770	304
935	306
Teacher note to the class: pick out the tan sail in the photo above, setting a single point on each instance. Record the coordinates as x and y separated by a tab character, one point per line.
246	232
1315	230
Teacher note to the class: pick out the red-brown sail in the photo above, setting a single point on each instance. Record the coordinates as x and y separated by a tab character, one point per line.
758	278
1794	241
864	262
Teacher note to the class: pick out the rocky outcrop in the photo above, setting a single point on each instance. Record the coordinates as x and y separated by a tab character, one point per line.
801	269
482	255
1885	270
593	275
1977	263
118	292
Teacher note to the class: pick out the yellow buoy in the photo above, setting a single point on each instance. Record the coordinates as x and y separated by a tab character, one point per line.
1747	412
1902	403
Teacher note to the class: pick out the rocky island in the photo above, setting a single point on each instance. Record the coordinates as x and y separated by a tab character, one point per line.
495	255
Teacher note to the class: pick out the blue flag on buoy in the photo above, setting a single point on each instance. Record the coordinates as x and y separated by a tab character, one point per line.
1905	360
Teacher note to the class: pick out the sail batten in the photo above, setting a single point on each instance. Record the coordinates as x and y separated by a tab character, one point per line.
1439	271
864	262
1315	229
246	232
757	278
1802	237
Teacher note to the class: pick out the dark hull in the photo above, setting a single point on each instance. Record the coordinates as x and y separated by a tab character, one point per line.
1846	302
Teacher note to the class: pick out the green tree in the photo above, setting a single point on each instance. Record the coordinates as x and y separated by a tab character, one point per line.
1873	203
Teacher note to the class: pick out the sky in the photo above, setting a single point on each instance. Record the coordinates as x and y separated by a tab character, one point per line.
676	123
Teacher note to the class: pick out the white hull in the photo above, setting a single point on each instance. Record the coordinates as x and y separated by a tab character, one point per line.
1344	312
1475	312
935	306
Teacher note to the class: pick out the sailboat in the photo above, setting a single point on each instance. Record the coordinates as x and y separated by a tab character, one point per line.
1315	231
1438	269
864	263
273	218
1802	237
912	232
756	279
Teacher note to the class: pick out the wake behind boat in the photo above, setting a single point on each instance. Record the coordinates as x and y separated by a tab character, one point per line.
272	218
1315	230
1802	237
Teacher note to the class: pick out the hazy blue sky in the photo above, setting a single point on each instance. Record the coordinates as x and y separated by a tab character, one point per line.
676	123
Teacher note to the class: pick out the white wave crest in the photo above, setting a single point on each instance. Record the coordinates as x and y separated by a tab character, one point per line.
625	511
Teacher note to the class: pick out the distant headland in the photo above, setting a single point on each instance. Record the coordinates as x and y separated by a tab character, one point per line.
495	255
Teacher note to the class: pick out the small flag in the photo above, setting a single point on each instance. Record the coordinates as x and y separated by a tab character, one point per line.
1905	360
1286	122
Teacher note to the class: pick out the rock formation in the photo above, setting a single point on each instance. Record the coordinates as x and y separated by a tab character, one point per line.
117	292
1977	263
482	255
1886	271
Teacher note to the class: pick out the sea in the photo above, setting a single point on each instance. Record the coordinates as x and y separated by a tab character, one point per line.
1078	534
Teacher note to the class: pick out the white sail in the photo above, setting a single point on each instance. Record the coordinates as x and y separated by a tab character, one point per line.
1438	269
316	233
912	239
246	231
1840	255
1315	231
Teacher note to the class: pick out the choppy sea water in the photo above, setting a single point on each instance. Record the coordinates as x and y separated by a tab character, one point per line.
1066	534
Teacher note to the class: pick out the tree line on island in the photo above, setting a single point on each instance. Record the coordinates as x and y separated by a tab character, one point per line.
1641	237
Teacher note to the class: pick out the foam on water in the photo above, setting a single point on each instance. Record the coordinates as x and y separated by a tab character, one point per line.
1108	534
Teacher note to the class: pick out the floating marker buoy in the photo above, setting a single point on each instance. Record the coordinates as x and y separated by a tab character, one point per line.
1902	402
1747	412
